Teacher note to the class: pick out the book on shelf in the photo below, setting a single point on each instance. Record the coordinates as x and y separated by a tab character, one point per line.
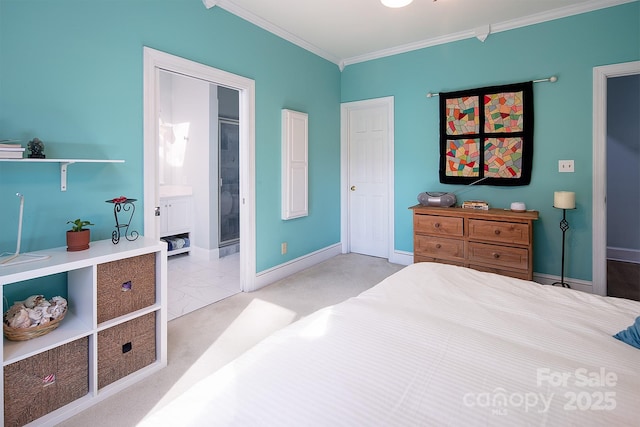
475	204
11	154
11	147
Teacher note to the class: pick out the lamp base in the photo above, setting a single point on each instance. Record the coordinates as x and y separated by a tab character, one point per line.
564	285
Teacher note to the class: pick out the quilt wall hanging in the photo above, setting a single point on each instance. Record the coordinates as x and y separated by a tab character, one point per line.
487	133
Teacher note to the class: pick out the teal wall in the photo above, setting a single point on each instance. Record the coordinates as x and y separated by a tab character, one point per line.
71	74
568	48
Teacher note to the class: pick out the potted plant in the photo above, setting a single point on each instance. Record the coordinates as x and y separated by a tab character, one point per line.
78	237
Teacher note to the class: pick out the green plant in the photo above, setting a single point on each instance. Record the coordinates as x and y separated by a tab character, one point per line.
78	224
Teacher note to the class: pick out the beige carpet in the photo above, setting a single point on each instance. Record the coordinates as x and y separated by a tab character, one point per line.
203	341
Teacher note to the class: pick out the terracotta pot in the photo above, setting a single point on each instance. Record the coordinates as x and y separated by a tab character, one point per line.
78	240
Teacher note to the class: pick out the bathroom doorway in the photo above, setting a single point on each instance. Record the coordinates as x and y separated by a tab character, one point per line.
203	229
199	184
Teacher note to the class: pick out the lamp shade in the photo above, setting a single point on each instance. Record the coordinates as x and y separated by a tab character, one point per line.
564	200
396	3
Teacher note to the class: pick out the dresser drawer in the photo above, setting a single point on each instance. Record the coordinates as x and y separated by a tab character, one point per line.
434	247
518	274
496	255
420	258
498	231
493	240
438	225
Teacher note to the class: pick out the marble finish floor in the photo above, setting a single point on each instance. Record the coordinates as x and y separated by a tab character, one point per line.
193	283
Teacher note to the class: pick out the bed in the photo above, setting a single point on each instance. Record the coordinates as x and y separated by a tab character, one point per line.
433	345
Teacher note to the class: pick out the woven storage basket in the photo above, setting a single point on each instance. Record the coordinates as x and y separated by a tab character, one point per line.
23	334
125	286
126	348
40	384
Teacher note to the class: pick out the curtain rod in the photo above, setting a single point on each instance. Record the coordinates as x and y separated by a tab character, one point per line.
551	79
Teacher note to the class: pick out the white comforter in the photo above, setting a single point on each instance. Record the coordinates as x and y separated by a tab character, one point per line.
433	345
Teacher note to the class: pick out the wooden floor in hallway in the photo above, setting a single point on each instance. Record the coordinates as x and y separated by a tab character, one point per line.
623	279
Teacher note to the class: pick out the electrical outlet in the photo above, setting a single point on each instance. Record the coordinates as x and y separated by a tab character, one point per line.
565	166
283	248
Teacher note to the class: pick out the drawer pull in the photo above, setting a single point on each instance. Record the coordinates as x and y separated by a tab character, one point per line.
436	225
496	256
497	232
438	246
126	348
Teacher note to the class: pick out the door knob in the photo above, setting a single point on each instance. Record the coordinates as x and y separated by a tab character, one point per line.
353	188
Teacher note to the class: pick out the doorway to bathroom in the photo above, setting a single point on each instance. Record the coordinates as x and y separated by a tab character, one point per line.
199	184
196	182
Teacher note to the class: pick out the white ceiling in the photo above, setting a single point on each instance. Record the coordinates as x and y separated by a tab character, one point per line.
350	31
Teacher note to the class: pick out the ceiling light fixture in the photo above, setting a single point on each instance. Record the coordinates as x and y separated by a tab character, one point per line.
396	3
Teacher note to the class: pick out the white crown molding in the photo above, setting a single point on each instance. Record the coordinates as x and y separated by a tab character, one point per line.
230	7
209	3
551	15
410	47
495	28
563	12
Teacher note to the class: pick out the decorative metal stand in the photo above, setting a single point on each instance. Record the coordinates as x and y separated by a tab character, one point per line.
118	207
564	226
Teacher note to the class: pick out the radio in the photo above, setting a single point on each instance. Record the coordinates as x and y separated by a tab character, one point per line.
443	199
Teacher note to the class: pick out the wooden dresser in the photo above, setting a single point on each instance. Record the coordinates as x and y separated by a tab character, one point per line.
495	240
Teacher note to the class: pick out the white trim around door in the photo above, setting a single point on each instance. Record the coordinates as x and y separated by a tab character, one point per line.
345	108
154	61
599	252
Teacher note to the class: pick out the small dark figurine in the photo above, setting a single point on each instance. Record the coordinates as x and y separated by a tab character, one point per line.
36	148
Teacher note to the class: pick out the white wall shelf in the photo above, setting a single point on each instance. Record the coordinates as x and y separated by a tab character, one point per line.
63	165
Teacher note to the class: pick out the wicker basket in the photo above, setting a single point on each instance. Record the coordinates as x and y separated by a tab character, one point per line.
126	348
126	285
23	334
44	382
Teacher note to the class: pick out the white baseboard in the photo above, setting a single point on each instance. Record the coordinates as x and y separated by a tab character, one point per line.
406	258
401	257
281	271
205	254
577	284
623	254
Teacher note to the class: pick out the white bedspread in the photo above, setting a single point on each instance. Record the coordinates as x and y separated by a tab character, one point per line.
433	345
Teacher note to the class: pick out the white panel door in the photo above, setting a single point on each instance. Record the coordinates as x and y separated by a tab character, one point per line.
368	181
